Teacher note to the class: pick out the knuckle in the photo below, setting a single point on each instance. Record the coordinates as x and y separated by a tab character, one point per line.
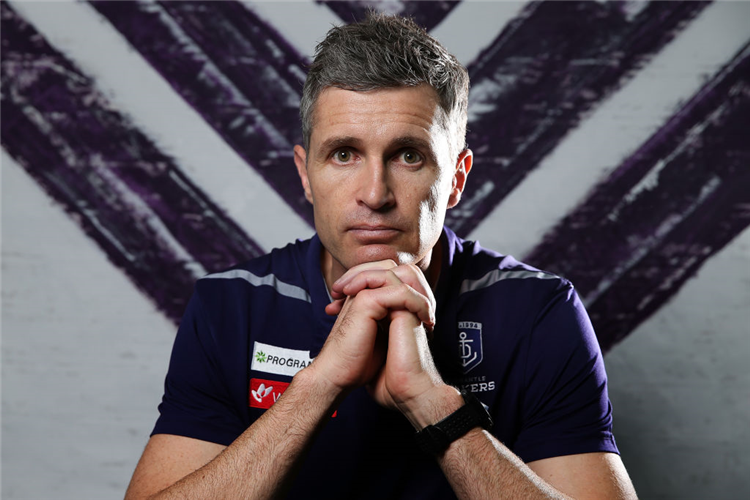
365	298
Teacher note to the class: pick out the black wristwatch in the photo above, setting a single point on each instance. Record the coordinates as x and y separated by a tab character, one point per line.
436	438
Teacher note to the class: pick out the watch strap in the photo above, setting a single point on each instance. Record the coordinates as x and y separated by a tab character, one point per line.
436	438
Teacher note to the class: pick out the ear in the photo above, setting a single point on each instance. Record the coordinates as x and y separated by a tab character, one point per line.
463	167
300	159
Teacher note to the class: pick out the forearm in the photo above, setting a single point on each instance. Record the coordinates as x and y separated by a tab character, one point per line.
479	466
261	462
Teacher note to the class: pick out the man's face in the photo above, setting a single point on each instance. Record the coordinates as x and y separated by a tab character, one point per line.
379	175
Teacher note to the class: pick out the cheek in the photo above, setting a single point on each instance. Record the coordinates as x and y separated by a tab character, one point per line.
432	213
431	204
320	192
439	193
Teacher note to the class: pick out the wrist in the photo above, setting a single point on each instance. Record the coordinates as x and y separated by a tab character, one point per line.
316	384
436	438
436	404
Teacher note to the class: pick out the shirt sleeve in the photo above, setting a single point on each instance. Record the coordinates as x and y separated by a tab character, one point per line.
197	401
566	408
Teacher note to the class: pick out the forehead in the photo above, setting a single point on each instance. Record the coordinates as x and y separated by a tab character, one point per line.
376	114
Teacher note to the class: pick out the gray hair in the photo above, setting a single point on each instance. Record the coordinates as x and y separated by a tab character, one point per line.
386	51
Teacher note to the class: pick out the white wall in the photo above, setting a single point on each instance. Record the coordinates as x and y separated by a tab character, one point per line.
680	387
84	356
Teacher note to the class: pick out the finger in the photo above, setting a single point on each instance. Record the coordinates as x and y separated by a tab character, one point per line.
379	301
340	283
352	281
413	276
410	274
377	278
335	307
374	278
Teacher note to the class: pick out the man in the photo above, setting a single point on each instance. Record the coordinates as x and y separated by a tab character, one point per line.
308	371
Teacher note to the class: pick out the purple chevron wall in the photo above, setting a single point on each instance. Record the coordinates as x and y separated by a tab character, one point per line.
609	149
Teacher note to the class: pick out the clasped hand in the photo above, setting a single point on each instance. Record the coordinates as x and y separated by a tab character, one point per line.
379	338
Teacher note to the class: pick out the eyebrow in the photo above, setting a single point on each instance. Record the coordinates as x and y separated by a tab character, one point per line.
410	142
338	142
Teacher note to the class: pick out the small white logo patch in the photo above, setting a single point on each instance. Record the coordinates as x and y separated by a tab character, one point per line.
279	360
470	344
261	392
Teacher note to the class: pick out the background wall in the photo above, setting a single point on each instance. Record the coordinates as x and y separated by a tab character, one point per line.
145	144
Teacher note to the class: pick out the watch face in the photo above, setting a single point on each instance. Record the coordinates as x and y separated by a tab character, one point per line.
480	409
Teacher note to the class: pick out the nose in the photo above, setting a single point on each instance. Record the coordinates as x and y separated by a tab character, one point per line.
375	186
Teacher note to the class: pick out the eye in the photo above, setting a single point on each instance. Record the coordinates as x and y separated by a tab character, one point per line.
411	157
343	155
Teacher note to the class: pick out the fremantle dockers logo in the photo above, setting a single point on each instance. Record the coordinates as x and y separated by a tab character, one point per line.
469	344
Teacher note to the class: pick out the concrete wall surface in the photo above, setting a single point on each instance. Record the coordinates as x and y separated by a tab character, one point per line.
146	144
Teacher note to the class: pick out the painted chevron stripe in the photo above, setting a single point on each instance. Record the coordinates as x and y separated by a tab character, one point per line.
529	90
131	198
614	130
132	85
427	14
233	69
670	206
199	33
549	73
303	25
472	26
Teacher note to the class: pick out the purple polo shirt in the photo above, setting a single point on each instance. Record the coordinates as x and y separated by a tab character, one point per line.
517	337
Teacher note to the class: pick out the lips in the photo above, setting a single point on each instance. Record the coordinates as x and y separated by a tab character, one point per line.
366	233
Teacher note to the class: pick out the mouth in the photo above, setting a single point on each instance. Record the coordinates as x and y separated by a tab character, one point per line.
373	234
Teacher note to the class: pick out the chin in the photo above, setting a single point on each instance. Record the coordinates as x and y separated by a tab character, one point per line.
374	253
